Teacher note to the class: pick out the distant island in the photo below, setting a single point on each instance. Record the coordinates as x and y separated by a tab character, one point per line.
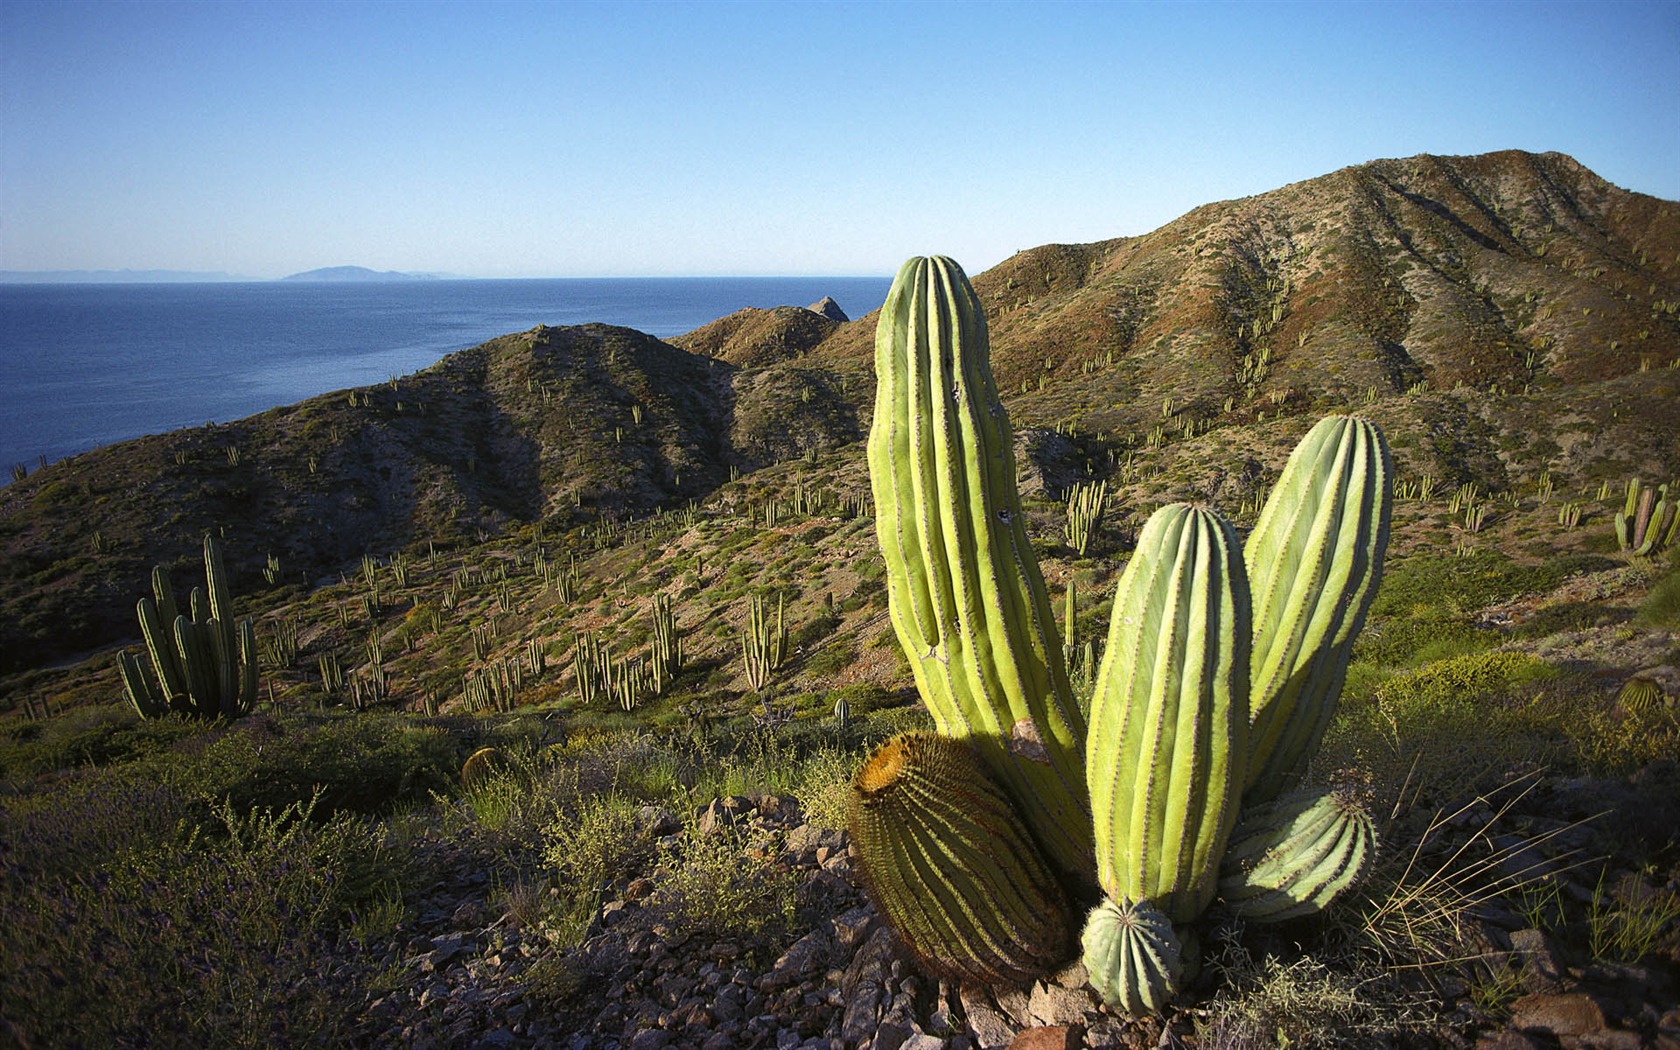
359	273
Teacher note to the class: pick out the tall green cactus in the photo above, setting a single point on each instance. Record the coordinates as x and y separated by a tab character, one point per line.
964	591
1168	741
1314	561
204	666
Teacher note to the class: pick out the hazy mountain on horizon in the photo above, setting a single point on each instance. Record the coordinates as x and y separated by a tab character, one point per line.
124	276
359	273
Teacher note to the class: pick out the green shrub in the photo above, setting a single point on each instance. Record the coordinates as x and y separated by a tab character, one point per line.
1661	607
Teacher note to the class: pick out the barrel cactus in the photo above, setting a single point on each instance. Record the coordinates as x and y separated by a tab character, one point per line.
1132	956
946	858
1291	857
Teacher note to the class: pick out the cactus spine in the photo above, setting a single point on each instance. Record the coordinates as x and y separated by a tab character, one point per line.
1169	719
964	591
1314	561
948	861
204	666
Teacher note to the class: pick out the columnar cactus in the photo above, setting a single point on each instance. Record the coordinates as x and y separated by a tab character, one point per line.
1084	514
1167	746
1222	668
665	657
1314	561
204	666
964	591
946	858
763	645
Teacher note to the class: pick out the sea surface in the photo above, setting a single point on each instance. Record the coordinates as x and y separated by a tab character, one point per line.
85	365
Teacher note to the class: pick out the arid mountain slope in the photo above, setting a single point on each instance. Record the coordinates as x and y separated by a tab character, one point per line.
1494	311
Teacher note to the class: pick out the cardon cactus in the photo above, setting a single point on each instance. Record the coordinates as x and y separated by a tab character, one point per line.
948	862
1169	719
1291	857
965	594
1314	561
204	666
1132	956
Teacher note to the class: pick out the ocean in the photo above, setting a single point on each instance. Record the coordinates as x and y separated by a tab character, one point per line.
87	365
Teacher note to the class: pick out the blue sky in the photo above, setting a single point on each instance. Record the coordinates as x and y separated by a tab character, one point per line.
526	140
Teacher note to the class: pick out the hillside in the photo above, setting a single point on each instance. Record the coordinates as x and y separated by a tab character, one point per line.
429	561
1483	306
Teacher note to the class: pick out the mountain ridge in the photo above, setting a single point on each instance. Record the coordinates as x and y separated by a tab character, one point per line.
1487	309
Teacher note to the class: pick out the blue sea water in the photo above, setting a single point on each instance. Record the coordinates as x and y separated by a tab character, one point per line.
85	365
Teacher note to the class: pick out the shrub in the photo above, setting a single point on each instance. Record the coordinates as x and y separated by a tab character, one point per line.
1661	607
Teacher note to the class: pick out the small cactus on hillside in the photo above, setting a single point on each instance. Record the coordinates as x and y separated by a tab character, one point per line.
203	665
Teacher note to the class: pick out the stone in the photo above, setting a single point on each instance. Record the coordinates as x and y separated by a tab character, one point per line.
1574	1013
1542	970
658	821
1052	1004
807	956
1050	1037
1506	1039
650	1039
992	1030
829	309
886	1037
1015	1003
923	1041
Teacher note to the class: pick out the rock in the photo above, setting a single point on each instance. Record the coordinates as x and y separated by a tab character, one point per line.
829	309
851	927
807	956
1506	1039
1052	1004
1050	1037
1542	969
651	1039
923	1041
990	1027
1575	1013
724	812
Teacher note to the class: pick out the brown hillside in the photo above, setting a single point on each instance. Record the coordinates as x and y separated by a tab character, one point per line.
752	338
1495	310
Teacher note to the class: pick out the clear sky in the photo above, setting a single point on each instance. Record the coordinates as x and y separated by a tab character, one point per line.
577	139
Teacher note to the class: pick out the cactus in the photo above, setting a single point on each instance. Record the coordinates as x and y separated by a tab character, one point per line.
204	666
1132	956
964	591
481	765
763	647
946	858
1084	514
1169	719
1314	561
665	657
1290	857
1649	521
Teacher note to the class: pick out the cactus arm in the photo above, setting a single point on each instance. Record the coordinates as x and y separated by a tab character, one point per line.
1169	718
1314	561
965	595
247	696
222	621
160	646
138	687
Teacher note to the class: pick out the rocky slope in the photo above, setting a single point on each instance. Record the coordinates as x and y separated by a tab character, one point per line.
1502	314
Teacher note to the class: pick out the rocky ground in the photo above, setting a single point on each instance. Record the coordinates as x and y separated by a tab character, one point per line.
467	977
